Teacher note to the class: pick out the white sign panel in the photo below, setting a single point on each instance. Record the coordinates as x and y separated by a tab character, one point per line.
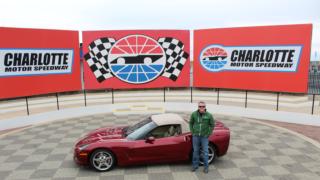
280	58
27	62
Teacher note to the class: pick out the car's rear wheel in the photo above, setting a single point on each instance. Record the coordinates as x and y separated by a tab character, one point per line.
102	160
211	154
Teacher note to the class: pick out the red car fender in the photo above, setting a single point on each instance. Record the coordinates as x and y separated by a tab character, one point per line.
221	140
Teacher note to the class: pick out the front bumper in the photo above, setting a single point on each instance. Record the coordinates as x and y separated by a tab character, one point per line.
80	157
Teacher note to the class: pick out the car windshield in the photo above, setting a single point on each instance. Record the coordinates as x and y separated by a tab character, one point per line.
136	126
139	130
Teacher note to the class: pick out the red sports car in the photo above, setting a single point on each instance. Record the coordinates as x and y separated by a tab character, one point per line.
159	138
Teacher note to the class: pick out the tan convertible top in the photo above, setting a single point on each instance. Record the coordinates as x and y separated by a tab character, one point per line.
170	118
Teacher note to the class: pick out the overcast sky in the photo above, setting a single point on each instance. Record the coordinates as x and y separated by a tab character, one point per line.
159	14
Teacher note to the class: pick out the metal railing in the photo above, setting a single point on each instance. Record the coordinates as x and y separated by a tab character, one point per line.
314	83
306	103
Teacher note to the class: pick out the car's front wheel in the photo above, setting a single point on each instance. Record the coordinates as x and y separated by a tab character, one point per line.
102	160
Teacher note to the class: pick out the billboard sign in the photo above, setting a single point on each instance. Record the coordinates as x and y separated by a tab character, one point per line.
38	61
266	58
136	59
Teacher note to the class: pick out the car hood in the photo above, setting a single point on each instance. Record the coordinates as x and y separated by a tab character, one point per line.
102	134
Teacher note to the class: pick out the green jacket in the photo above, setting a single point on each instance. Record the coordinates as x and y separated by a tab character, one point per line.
201	125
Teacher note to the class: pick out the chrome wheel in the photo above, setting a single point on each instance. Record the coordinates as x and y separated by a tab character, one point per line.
102	160
211	154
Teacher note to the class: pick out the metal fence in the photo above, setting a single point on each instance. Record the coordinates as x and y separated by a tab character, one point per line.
303	103
314	83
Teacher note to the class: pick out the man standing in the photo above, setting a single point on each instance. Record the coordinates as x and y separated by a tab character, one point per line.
201	125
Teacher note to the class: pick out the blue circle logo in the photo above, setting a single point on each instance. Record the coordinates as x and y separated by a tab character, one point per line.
137	59
213	58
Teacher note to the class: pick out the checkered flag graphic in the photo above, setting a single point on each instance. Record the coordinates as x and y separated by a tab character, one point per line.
176	57
97	58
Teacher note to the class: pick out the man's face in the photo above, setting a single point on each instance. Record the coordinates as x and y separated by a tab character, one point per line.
202	107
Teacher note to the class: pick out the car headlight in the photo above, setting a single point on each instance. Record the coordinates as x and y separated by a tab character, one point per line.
82	147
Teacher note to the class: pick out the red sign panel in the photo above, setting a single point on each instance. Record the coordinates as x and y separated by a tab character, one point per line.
36	61
266	58
136	59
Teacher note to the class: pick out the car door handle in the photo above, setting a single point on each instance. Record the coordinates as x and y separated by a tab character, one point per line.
186	138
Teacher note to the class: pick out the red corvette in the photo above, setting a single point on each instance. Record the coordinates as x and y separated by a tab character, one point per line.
160	138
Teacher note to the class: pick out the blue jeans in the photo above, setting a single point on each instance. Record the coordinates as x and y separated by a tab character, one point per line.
197	142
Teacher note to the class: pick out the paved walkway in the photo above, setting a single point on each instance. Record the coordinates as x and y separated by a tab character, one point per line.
312	132
138	108
256	151
308	125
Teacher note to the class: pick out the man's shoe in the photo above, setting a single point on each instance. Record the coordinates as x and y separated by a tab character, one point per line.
206	170
194	169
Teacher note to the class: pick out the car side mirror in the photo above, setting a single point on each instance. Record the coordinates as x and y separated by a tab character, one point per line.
150	139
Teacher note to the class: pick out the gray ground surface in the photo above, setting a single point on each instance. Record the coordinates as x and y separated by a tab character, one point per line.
256	152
